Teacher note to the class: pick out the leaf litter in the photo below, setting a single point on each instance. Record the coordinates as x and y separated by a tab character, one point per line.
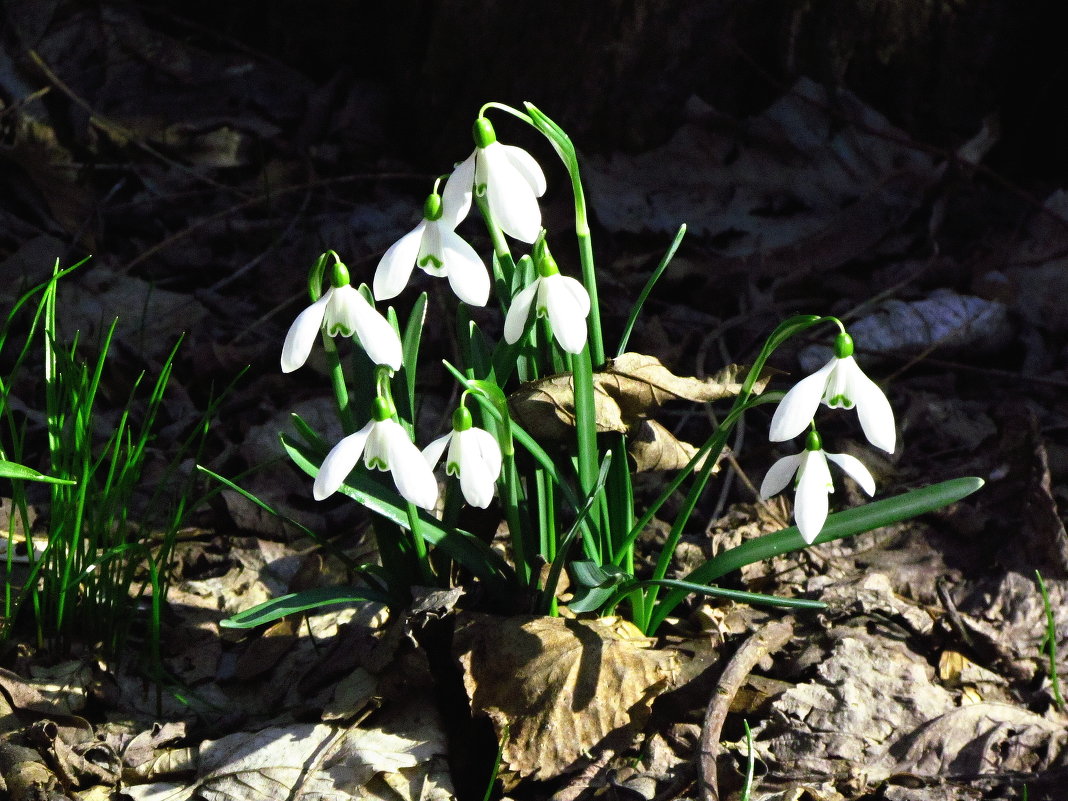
923	680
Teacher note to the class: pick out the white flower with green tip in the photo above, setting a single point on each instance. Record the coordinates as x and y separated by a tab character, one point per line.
563	300
384	445
839	384
341	310
474	456
438	250
813	483
508	177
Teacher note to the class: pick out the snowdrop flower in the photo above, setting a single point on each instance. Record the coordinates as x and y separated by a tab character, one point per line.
474	456
813	483
839	383
341	310
439	251
563	299
384	445
508	177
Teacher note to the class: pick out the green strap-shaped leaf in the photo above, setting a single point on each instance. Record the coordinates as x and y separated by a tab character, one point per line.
277	608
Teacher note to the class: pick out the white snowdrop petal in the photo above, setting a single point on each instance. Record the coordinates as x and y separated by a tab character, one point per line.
515	322
302	333
780	475
395	267
577	291
810	502
414	479
489	450
565	317
797	409
475	481
874	411
432	452
855	469
377	336
458	191
511	199
526	165
339	463
467	273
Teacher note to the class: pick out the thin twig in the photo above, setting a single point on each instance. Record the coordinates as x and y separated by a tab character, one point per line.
768	640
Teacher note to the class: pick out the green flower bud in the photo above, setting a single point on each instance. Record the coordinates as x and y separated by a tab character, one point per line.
843	345
381	409
432	207
461	419
339	275
813	442
483	132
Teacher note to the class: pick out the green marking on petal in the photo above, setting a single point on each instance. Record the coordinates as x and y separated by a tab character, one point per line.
430	258
452	468
840	402
377	464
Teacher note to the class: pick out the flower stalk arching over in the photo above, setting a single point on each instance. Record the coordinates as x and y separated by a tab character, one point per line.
341	310
384	445
509	178
813	483
840	383
560	298
474	456
438	250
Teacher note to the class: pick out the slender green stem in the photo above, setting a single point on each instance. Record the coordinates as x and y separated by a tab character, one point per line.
338	384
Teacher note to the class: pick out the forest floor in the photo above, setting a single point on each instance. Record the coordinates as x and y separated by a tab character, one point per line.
205	178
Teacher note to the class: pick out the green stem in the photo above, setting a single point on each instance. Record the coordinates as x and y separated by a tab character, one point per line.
338	384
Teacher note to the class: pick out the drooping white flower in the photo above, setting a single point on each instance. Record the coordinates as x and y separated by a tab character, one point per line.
384	445
508	177
564	300
839	383
474	456
813	483
438	250
341	310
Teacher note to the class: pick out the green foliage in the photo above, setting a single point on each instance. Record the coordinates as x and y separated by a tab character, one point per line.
109	539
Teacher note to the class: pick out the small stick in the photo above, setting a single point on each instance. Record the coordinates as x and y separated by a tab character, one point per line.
768	640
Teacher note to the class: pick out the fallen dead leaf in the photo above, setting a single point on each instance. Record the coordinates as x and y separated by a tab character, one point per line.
558	687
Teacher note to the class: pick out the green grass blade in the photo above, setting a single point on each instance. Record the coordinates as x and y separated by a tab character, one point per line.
19	471
636	310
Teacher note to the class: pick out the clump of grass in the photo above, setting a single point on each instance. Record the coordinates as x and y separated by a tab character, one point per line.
109	540
1049	643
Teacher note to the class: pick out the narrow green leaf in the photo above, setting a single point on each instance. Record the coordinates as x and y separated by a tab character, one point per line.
839	525
636	309
277	608
13	470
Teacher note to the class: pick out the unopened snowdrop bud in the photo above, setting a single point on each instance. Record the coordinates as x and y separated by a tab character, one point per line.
839	384
341	310
564	300
384	445
474	456
438	250
813	482
507	176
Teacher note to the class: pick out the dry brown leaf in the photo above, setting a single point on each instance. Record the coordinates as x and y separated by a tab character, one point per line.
653	447
559	687
626	392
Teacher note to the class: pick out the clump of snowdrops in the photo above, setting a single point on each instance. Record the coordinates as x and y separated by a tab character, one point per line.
564	507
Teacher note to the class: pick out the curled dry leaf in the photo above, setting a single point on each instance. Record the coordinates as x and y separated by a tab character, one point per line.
626	392
559	687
